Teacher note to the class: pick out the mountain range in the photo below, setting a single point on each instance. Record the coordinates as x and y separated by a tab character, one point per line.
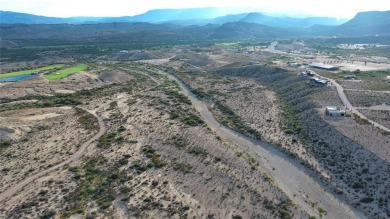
190	16
198	23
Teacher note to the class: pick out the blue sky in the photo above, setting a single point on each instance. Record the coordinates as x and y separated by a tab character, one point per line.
67	8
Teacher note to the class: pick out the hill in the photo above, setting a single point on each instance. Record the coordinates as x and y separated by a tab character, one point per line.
7	17
239	26
244	30
289	21
152	16
365	24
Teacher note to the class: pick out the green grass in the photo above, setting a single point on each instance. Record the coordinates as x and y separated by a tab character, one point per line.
67	71
25	72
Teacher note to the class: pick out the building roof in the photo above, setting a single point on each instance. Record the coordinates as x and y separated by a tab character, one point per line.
318	81
323	66
331	108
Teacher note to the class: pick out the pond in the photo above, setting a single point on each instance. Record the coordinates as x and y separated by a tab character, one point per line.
18	78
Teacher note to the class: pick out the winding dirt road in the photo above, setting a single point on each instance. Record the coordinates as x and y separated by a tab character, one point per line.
344	99
340	89
75	157
287	173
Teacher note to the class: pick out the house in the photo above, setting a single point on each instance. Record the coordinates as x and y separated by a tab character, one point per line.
304	74
311	74
318	82
334	111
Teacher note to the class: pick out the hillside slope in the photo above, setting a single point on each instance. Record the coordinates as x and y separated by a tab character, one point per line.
366	23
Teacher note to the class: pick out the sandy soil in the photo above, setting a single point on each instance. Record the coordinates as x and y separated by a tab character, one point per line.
209	170
39	141
286	168
368	98
379	113
366	135
203	177
242	101
363	66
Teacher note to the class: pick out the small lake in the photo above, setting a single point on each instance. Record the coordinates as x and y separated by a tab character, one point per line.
17	78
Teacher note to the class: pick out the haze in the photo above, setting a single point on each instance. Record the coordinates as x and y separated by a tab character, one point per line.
298	8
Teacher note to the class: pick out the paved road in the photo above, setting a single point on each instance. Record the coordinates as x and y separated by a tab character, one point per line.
344	99
272	49
288	174
75	157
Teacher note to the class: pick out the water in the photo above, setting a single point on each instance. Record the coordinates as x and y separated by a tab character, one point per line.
17	78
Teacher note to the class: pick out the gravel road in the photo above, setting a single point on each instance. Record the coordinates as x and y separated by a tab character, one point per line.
288	174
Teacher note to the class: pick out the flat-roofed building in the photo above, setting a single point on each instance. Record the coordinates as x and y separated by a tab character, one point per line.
323	66
334	111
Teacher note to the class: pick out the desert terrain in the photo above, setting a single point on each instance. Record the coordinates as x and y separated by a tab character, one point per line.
191	131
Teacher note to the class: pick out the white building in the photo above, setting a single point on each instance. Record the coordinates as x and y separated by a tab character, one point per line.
334	111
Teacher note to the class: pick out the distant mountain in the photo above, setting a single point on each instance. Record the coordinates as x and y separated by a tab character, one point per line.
122	33
291	22
365	24
191	16
258	18
244	30
138	32
7	17
163	15
152	16
217	20
189	24
228	18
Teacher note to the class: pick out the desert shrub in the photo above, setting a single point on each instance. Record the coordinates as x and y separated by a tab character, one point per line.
200	93
97	183
123	161
360	120
366	200
357	185
192	120
173	114
197	151
86	119
121	129
155	159
4	144
183	167
179	143
106	140
47	214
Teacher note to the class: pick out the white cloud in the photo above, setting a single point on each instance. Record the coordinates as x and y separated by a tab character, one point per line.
66	8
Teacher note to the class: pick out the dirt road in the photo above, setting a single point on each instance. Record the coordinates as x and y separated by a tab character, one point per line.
75	157
287	173
373	91
344	99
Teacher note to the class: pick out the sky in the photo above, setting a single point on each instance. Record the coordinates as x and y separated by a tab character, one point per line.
112	8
